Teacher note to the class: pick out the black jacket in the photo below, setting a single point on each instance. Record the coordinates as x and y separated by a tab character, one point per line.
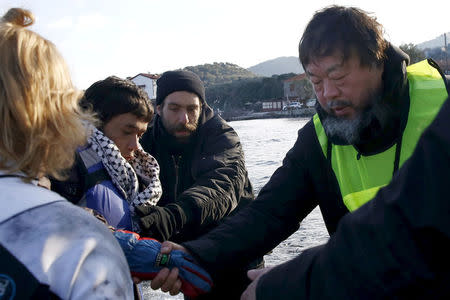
207	179
203	183
304	181
395	247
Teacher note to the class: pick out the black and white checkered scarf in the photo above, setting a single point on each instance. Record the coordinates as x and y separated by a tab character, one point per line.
124	174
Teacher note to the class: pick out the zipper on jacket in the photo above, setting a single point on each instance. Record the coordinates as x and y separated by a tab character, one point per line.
176	163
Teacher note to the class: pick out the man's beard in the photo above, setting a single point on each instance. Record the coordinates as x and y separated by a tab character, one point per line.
171	129
350	131
191	128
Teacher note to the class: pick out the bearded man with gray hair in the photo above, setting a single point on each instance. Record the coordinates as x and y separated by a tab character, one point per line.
372	109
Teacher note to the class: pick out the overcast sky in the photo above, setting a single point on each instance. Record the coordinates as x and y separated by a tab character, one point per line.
99	38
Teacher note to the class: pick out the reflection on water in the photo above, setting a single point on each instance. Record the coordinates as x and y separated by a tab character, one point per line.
265	144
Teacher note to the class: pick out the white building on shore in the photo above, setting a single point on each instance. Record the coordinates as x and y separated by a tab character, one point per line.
147	82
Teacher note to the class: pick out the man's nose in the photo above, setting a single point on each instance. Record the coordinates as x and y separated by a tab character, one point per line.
183	117
133	144
330	91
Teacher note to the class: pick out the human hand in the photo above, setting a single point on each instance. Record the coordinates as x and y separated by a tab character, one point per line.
167	265
168	281
254	275
161	222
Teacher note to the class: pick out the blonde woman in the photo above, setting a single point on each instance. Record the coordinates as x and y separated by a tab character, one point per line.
48	246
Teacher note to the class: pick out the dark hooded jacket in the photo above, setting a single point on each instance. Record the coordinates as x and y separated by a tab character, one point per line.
203	181
304	181
394	247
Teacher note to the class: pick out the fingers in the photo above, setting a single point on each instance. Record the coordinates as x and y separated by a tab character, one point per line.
176	288
250	292
160	278
167	247
255	273
171	280
167	280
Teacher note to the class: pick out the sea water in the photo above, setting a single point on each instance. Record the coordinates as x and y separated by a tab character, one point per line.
265	143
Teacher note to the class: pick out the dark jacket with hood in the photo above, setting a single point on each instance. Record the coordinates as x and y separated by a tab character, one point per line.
304	181
394	247
203	181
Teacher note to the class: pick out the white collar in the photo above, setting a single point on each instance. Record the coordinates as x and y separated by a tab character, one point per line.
17	175
18	196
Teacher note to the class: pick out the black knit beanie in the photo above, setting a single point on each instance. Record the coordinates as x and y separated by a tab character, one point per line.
173	81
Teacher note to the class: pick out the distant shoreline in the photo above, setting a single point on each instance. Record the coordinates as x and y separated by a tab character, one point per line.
294	113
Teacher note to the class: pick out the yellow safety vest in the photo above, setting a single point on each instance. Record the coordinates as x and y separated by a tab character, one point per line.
360	179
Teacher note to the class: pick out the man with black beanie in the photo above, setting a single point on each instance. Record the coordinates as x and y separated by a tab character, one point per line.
203	172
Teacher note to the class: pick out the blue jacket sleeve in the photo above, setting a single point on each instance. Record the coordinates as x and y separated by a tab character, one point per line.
105	199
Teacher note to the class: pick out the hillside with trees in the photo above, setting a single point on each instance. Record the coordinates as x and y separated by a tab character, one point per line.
438	49
414	52
278	66
439	54
246	92
230	87
220	73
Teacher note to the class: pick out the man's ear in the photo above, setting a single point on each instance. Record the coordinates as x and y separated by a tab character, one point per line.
158	109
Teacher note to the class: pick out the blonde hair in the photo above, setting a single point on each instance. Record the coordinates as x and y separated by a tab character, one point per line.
40	120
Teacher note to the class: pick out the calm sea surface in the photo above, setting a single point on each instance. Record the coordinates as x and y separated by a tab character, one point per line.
265	142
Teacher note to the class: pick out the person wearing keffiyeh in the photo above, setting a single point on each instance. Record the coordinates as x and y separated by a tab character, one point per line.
120	178
115	176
